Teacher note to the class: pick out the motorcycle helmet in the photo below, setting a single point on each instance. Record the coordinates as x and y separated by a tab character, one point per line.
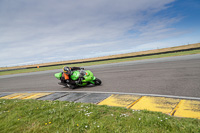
67	70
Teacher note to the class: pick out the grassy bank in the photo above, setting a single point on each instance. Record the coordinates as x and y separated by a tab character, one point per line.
62	116
102	62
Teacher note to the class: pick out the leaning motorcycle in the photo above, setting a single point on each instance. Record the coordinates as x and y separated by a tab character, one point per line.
85	76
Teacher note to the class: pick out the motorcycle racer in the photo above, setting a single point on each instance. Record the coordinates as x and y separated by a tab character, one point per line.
73	77
67	72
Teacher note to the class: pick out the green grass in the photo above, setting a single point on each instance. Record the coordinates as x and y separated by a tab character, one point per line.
101	62
38	116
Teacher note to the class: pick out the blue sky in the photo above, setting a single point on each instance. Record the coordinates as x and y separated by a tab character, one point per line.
37	31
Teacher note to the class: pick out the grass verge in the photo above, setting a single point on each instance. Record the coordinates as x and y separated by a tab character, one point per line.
62	116
101	62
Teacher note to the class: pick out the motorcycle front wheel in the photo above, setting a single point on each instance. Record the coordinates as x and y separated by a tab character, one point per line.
71	86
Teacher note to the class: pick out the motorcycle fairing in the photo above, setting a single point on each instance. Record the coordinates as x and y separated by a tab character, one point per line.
58	75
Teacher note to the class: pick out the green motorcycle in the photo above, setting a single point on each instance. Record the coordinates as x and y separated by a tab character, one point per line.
85	76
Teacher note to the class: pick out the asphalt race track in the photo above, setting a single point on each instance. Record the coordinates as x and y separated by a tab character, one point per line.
178	76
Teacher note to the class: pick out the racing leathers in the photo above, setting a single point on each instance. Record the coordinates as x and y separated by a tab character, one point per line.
66	76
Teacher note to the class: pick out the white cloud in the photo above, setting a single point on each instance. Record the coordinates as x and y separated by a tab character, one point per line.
40	30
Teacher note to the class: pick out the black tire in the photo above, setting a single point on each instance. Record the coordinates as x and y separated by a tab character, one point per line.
72	86
97	81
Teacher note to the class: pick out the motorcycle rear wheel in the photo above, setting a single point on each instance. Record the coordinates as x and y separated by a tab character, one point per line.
97	81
